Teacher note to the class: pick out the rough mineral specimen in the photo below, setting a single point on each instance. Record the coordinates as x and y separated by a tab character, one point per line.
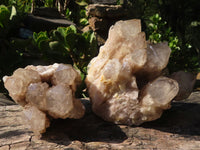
45	91
186	82
124	81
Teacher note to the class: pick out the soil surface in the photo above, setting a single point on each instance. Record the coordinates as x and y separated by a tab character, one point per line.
177	129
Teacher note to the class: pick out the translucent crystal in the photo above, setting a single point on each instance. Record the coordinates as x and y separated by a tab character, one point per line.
36	95
45	91
157	60
186	82
59	100
36	119
123	80
17	84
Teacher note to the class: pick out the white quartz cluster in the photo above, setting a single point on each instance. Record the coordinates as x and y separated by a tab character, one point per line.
45	91
124	81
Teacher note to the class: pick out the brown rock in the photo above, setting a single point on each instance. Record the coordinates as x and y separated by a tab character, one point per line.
106	11
98	24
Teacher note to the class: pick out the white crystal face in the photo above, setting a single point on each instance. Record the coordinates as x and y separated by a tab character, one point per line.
59	101
123	80
36	95
43	90
36	119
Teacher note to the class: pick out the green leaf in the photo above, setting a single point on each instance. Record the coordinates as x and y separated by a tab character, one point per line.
81	3
1	25
89	36
68	13
62	31
70	41
40	38
13	12
72	28
83	21
59	35
4	15
92	37
82	13
54	44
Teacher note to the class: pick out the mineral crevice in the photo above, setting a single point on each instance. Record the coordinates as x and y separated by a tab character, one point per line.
45	91
124	81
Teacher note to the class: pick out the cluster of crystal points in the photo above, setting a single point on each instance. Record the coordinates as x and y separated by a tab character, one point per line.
124	81
45	91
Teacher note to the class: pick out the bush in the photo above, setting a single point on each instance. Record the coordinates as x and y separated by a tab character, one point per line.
9	57
66	44
180	59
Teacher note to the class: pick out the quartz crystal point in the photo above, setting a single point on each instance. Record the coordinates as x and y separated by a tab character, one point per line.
186	82
45	91
124	81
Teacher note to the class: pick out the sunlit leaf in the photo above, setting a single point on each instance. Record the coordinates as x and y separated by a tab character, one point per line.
83	21
81	3
13	12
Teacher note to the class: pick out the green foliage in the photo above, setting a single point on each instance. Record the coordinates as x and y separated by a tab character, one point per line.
4	16
22	6
49	3
68	45
158	31
83	17
82	2
9	21
76	12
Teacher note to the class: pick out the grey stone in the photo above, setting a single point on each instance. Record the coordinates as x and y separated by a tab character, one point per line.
5	101
38	23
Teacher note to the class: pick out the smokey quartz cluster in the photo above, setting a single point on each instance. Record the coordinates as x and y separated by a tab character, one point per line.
45	91
124	81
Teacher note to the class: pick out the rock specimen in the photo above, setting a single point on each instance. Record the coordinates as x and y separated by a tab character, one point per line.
124	81
45	91
186	82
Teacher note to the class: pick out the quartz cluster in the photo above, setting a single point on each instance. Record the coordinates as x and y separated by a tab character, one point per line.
45	92
124	81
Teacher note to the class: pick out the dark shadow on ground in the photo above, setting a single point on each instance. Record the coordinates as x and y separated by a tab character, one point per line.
183	118
90	128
